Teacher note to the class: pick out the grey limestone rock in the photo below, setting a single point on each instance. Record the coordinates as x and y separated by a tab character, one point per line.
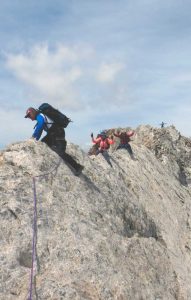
120	233
170	147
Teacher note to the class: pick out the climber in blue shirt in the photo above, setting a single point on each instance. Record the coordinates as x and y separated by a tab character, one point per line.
40	126
55	137
41	122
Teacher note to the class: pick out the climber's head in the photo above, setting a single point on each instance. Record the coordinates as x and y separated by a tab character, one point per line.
31	113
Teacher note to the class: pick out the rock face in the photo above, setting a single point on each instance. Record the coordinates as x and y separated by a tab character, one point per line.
170	147
120	233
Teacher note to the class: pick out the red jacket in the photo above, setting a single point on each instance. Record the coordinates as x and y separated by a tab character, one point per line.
124	137
103	143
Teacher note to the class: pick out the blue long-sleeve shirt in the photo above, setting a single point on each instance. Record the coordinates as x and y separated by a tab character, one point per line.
40	126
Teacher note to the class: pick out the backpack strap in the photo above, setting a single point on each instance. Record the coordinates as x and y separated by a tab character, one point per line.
46	123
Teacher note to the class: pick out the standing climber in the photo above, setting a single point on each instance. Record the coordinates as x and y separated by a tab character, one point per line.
103	143
55	137
124	141
162	124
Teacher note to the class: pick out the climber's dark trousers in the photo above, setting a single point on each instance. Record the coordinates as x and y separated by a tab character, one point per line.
127	147
105	155
55	139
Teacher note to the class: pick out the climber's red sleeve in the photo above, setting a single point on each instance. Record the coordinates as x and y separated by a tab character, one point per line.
130	133
110	141
96	141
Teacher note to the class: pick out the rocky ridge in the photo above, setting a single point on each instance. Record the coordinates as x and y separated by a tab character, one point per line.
112	233
170	147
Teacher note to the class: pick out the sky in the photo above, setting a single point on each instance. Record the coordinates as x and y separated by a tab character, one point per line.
104	63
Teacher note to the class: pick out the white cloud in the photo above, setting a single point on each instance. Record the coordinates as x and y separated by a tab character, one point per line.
108	72
68	77
51	74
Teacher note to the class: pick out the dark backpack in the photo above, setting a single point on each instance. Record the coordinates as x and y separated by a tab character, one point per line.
55	115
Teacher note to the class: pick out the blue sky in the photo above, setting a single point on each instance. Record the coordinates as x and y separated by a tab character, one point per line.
105	63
